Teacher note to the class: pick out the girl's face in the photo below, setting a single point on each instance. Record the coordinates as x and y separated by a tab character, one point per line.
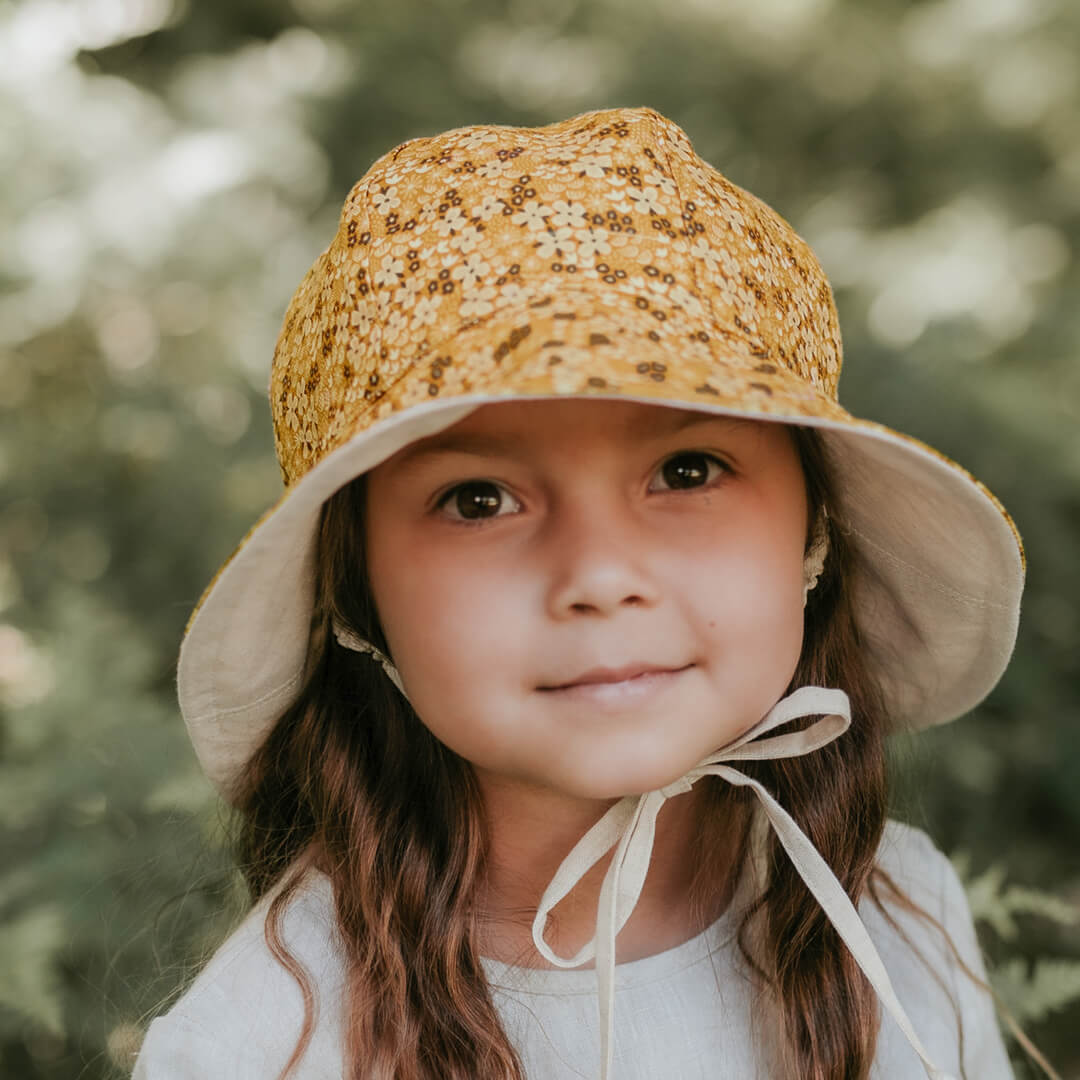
590	596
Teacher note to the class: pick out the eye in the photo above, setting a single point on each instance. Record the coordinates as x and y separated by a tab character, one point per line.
690	469
476	500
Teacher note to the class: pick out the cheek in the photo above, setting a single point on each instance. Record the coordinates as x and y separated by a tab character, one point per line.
446	624
751	605
763	608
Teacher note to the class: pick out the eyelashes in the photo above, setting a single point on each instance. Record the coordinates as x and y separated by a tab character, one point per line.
473	499
474	502
680	470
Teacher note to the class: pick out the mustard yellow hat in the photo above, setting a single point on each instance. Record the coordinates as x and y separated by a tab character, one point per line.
595	256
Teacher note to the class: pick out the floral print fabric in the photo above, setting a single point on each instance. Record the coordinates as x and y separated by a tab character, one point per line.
598	254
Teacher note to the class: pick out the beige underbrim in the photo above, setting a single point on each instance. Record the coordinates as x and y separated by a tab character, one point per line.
938	607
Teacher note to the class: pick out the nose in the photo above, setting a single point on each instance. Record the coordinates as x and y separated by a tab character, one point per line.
599	559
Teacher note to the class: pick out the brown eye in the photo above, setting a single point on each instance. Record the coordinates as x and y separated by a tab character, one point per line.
690	470
473	501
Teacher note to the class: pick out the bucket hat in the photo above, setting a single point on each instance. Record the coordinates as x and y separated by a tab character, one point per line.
597	256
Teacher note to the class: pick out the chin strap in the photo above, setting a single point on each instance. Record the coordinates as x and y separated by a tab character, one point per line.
630	826
348	640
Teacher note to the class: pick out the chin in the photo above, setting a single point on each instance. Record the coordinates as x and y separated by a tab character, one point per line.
615	783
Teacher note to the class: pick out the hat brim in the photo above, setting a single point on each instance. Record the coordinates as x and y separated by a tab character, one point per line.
937	590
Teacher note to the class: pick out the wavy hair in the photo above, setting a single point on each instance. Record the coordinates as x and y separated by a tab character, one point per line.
352	782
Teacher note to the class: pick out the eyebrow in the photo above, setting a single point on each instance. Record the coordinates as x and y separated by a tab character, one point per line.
480	445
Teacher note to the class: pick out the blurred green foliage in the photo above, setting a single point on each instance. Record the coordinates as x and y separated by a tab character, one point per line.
168	172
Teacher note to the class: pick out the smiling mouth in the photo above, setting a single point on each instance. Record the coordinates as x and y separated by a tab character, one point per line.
629	673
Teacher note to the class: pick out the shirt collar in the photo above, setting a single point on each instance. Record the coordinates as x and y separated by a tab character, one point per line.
630	826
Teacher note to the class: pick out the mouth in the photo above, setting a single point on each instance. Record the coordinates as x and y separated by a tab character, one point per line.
618	686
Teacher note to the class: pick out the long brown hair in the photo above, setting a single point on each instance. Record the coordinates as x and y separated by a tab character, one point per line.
352	782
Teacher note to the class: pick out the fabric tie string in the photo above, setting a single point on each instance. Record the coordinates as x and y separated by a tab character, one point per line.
348	640
630	827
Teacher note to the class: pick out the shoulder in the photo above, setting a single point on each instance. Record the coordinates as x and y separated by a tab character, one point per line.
908	855
915	864
926	962
243	1015
922	874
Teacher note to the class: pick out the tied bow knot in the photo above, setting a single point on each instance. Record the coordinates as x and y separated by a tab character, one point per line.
677	787
629	827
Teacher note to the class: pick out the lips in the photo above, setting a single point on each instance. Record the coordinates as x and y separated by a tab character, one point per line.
613	675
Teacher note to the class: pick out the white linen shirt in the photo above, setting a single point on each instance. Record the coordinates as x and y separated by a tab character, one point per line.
683	1014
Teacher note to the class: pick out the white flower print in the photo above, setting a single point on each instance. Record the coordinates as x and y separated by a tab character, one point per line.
356	351
731	212
744	303
389	272
557	243
424	311
566	377
394	325
408	291
532	214
686	300
292	405
664	183
593	164
467	239
617	191
454	221
567	213
386	201
729	265
640	284
725	287
477	139
512	293
646	200
360	319
489	208
493	169
470	271
593	242
701	250
477	302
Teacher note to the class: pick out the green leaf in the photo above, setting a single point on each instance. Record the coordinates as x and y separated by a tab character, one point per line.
29	944
1050	986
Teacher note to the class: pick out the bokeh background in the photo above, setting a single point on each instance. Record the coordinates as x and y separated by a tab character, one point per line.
169	169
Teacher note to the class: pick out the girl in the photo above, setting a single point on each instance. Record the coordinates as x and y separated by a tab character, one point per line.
552	693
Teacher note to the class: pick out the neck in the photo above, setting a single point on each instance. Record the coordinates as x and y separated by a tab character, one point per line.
531	832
